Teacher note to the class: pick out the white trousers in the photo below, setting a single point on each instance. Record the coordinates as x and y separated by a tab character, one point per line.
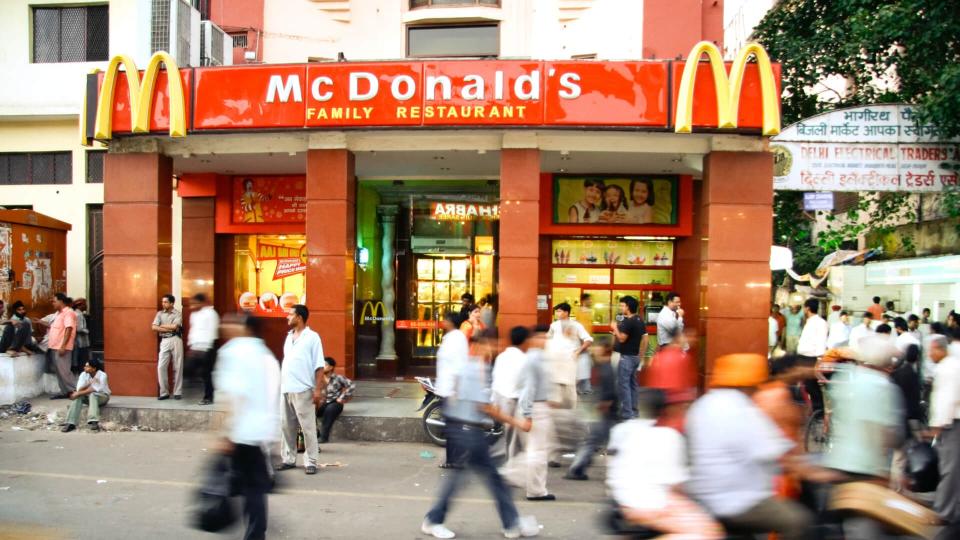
529	469
171	352
298	411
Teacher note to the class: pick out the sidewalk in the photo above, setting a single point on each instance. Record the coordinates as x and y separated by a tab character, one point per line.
379	411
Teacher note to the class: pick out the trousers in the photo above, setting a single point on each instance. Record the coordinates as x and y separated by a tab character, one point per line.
297	411
66	378
627	386
947	501
95	400
529	469
171	352
472	442
14	338
597	439
328	414
250	467
788	519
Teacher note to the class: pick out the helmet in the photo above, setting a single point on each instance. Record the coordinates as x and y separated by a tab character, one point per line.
674	372
739	370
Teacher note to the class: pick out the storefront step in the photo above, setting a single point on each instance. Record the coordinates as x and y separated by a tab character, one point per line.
371	416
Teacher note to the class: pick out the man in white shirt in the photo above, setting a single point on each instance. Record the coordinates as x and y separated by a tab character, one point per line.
248	380
669	320
772	335
862	330
204	325
92	389
302	385
812	345
945	423
839	334
453	353
567	340
506	386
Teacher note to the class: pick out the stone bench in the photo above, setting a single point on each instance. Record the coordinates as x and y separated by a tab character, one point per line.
23	377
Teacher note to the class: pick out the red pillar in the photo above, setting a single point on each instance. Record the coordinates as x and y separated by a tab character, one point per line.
197	250
519	238
331	243
737	231
137	267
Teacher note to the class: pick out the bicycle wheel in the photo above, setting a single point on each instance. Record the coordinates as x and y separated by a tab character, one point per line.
815	434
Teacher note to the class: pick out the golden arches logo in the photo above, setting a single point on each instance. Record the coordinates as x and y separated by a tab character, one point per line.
728	89
140	95
374	309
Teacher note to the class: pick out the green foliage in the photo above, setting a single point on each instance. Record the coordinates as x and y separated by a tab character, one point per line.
792	228
913	46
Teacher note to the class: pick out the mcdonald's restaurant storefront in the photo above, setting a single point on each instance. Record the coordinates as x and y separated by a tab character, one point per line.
379	193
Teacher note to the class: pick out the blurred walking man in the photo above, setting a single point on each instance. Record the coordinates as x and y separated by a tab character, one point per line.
669	321
248	380
469	414
168	324
302	386
204	323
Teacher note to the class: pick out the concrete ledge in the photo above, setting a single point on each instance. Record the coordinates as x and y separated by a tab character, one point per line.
23	377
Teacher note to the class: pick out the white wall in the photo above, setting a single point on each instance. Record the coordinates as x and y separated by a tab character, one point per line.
375	29
740	17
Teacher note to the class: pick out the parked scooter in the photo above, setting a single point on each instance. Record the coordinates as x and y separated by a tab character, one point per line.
432	418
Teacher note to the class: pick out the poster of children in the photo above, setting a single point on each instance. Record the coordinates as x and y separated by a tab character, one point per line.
624	200
269	199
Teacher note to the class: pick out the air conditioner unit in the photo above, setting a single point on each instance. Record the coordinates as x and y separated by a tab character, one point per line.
175	28
214	45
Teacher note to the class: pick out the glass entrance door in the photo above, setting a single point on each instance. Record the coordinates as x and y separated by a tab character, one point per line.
440	283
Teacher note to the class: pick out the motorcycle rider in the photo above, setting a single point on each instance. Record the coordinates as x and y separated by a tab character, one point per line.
736	451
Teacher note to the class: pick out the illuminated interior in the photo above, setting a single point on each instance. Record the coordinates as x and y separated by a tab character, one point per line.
270	272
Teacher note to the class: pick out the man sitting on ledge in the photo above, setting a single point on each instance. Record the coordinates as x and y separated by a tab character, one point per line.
339	391
92	388
17	335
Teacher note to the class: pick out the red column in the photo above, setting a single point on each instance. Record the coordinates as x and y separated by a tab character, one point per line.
737	231
519	238
197	250
137	267
331	243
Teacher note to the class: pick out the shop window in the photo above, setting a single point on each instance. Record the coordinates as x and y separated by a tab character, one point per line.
70	34
95	166
36	168
269	273
592	275
456	41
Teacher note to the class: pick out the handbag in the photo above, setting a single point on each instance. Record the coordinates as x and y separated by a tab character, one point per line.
923	466
213	508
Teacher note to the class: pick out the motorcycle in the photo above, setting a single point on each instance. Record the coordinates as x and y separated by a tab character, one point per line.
432	417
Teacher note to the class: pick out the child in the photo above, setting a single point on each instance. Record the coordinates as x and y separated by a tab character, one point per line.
614	207
92	388
587	209
641	201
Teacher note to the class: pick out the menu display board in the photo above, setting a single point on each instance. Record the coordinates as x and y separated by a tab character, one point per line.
613	252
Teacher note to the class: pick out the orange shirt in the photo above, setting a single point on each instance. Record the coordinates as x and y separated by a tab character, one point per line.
67	318
877	311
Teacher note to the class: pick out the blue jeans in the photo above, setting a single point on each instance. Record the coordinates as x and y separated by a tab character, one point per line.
598	437
627	385
471	442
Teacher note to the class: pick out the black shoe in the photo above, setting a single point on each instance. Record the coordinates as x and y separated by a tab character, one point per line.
576	476
554	464
161	398
284	467
205	402
60	396
311	470
177	397
324	440
93	426
68	428
547	497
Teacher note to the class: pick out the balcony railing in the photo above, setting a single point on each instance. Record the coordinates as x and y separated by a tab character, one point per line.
416	4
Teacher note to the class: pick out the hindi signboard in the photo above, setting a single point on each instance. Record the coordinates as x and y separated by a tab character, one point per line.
872	148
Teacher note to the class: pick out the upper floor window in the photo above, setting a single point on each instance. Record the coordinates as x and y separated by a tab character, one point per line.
427	3
95	166
36	168
71	34
460	40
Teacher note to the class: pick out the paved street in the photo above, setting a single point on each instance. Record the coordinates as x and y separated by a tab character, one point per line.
137	485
